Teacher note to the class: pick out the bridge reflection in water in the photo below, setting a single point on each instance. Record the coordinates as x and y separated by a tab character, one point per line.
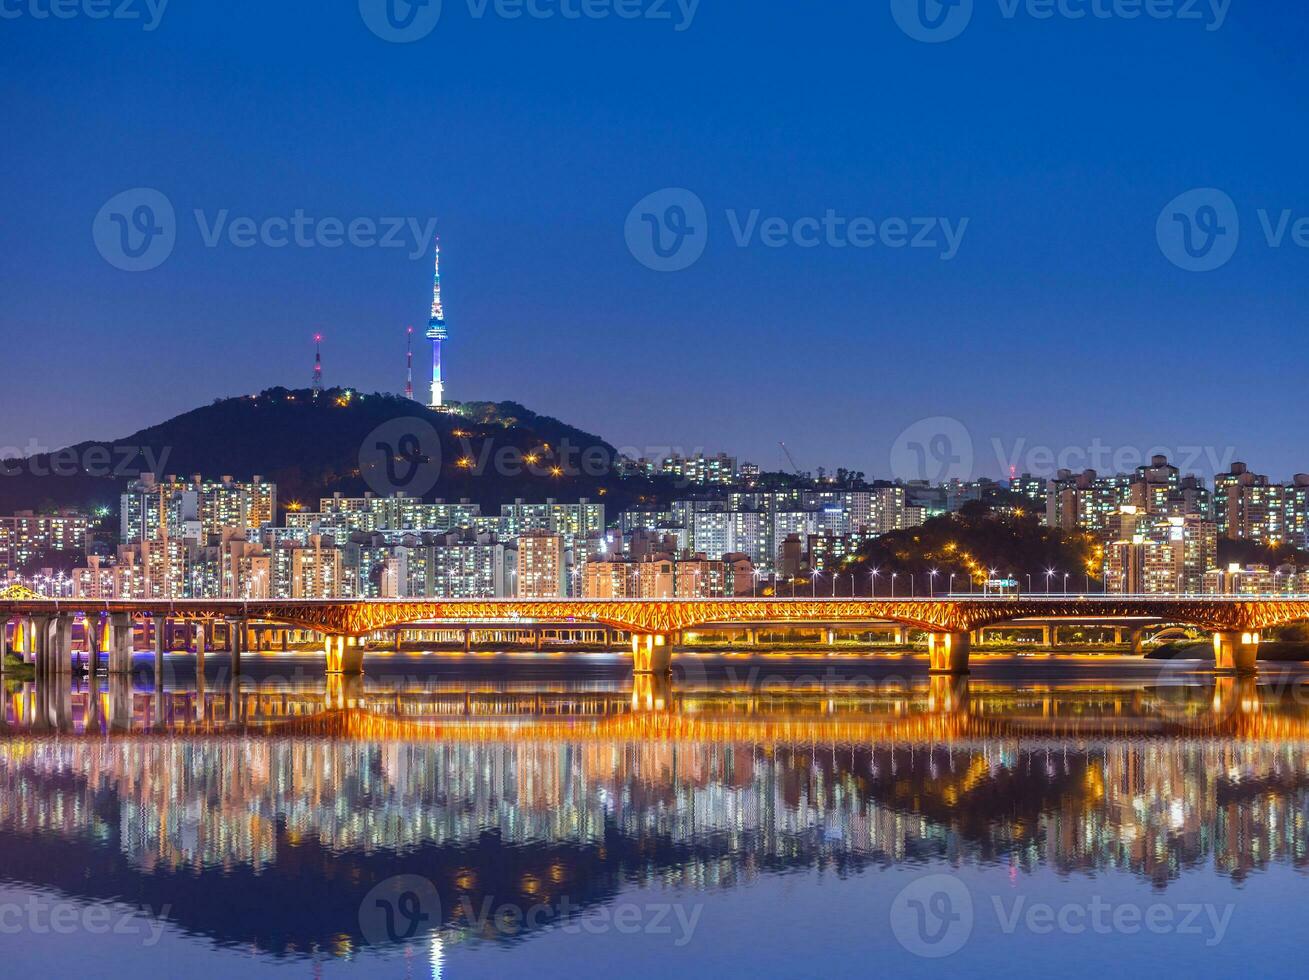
263	815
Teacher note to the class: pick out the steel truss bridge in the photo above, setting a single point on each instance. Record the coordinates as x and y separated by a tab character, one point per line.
1236	622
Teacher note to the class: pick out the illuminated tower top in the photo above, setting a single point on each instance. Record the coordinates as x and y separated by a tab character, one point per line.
436	325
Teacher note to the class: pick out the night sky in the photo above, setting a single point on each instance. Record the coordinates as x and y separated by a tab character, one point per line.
1059	322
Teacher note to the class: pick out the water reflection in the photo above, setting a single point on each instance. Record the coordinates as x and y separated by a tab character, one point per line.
261	815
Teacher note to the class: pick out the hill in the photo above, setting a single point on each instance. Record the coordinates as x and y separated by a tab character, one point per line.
969	545
488	452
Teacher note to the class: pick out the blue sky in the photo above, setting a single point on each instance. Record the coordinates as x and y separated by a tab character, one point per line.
1054	143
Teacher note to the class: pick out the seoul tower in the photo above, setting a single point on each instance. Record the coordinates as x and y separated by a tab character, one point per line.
436	333
318	364
409	363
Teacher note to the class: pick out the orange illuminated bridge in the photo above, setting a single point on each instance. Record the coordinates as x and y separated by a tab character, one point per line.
654	624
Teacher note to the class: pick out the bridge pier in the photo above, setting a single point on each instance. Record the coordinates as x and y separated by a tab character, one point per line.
948	652
94	628
59	646
236	631
120	653
4	643
345	655
651	653
160	642
1236	652
200	649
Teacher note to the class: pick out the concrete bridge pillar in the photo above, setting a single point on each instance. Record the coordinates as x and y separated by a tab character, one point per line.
236	631
200	643
120	654
38	643
4	644
59	651
95	638
948	652
1138	642
345	655
1236	652
16	646
161	643
651	653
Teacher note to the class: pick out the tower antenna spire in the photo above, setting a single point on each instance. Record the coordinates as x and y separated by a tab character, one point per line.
436	332
318	364
409	363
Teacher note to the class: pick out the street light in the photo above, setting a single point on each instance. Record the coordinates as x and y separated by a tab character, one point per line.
931	578
1049	574
813	584
893	575
872	576
952	575
1066	583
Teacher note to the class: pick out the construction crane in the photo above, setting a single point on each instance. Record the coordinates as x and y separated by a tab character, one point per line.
795	467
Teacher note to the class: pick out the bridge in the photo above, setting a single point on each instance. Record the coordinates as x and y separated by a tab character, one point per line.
44	627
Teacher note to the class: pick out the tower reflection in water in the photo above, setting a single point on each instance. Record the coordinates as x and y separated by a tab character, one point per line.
263	815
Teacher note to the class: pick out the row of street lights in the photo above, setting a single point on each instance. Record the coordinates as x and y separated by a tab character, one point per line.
1051	576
